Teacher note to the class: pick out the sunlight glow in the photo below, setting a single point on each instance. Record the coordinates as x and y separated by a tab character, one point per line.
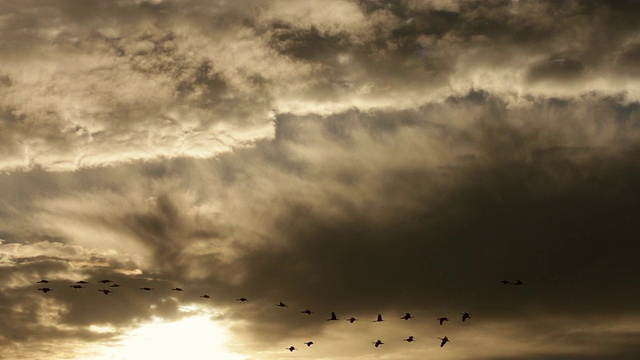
193	338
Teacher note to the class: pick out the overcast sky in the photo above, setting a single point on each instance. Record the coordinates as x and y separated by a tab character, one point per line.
354	156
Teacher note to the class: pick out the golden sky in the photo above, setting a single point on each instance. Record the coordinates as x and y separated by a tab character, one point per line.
360	157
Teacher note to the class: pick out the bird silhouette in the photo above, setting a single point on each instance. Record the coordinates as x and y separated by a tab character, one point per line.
309	343
406	316
409	339
242	299
379	319
146	288
444	341
81	282
45	290
43	281
519	282
465	316
76	286
377	343
205	296
351	320
506	282
281	304
291	348
105	291
105	281
333	317
442	320
114	285
308	312
176	289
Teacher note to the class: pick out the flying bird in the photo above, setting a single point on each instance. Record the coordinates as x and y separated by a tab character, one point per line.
406	316
43	282
105	281
506	282
45	290
291	348
205	296
176	289
333	317
409	339
114	285
444	341
379	319
519	282
465	316
308	312
442	320
76	286
242	299
351	320
377	343
146	288
281	304
81	282
105	291
309	343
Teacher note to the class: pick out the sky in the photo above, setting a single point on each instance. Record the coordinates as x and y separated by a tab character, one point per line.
361	157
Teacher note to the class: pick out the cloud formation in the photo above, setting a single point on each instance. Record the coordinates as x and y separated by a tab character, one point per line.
358	157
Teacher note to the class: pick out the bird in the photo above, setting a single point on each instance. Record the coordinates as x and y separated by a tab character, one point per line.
465	316
379	319
351	320
519	282
45	290
506	282
105	291
406	316
43	281
308	312
333	317
281	304
176	289
114	285
409	339
146	288
105	281
205	296
377	343
242	299
291	348
81	282
442	320
309	343
444	341
76	286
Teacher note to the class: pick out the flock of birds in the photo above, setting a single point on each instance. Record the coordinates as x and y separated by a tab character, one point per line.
110	284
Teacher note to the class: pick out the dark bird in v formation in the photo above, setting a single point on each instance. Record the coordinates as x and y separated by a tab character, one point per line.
45	290
81	282
409	339
406	316
146	288
291	348
309	343
442	320
105	281
465	316
377	343
205	296
242	299
105	291
379	319
351	320
114	285
43	281
176	289
308	312
76	286
333	317
444	341
281	304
